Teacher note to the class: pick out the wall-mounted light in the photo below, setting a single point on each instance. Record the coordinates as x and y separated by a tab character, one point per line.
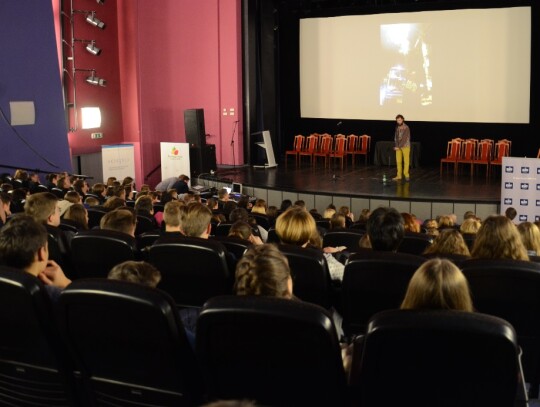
91	117
96	80
91	47
100	1
93	20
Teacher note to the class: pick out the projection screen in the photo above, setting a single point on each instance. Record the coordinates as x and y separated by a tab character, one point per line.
470	65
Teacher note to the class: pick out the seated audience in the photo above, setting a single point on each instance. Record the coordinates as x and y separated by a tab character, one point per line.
349	216
409	223
240	214
168	196
119	220
285	204
100	191
223	197
81	187
438	284
385	229
91	201
297	227
498	238
432	227
510	213
449	242
144	207
338	222
72	197
172	216
51	180
328	213
64	183
5	207
228	207
244	203
76	215
264	270
259	207
23	245
113	203
139	272
530	236
445	222
243	230
196	221
470	226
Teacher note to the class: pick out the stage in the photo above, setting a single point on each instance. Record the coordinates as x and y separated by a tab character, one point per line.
427	194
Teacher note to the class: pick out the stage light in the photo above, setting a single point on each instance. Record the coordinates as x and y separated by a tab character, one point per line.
93	20
91	117
100	1
95	80
91	48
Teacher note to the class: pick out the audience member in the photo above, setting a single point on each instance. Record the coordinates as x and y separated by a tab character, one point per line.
72	197
510	213
409	223
77	215
445	222
100	191
113	203
530	236
337	222
119	220
240	214
51	180
300	204
91	201
145	208
470	226
259	207
438	284
449	242
385	229
223	197
242	230
196	221
328	213
81	187
285	204
23	245
139	272
498	238
264	270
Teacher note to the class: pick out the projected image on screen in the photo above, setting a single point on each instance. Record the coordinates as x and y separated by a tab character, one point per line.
470	65
408	79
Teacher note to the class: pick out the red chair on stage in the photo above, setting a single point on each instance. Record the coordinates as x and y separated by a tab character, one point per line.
352	141
339	151
509	142
502	149
453	151
468	153
310	148
325	148
364	147
297	147
483	156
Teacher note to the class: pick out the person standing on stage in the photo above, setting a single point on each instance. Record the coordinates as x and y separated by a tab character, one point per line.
402	138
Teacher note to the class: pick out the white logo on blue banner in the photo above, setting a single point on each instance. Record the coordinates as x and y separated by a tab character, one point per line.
525	199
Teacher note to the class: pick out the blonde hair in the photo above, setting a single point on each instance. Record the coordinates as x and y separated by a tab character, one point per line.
120	220
259	207
449	241
530	236
470	226
438	284
328	213
296	226
498	238
173	213
263	270
196	219
445	222
40	206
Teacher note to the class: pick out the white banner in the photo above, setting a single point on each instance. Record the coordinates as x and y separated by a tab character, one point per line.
520	187
174	160
118	161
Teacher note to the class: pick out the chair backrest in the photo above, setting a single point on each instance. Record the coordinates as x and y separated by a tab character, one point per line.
32	359
272	236
129	344
323	223
94	217
262	220
415	243
311	144
510	289
439	357
340	145
234	245
95	252
310	274
469	149
352	141
298	142
147	239
501	150
193	270
484	151
453	149
223	228
374	281
326	144
245	343
348	238
365	143
144	224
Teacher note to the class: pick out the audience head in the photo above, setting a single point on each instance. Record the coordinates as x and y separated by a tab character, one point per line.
449	241
119	191
241	230
212	203
223	194
168	196
99	189
438	284
114	202
23	244
119	220
498	238
91	201
259	207
228	207
173	212
409	223
139	272
5	201
196	221
239	214
144	203
73	197
445	221
110	181
510	213
296	226
272	211
337	221
64	183
300	203
43	207
385	229
81	186
78	214
470	226
328	213
263	270
530	236
285	204
21	175
469	215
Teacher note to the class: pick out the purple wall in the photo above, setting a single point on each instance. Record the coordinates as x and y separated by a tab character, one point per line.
29	71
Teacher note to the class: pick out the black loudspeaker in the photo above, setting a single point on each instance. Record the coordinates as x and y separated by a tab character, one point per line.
202	160
194	126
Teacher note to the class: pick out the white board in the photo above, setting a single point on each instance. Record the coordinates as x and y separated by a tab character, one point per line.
520	188
118	161
174	160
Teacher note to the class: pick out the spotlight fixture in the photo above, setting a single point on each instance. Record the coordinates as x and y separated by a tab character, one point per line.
100	1
96	80
93	20
91	48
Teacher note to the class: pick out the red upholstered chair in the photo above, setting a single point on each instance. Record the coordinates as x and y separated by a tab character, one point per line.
483	156
339	151
364	146
297	147
352	141
310	147
468	153
502	149
453	152
325	148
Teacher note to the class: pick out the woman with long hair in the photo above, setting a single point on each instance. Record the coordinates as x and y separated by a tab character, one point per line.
498	238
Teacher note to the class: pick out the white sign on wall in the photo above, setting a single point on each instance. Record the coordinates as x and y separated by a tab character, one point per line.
118	161
174	160
520	188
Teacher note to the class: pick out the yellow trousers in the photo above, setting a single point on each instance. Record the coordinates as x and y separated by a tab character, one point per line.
402	161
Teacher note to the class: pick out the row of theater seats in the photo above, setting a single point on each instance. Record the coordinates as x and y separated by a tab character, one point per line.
120	344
